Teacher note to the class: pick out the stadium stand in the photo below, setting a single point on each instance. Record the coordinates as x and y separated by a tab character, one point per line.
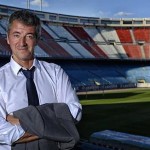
124	35
61	35
142	34
86	41
92	51
98	36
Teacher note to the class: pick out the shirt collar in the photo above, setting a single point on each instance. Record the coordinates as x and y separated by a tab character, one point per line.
16	67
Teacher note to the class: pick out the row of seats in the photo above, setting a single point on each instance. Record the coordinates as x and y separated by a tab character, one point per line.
64	41
103	73
97	73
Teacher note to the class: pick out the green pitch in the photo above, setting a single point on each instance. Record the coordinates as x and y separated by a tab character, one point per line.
124	110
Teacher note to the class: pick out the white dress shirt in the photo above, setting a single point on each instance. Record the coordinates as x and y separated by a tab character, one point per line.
52	84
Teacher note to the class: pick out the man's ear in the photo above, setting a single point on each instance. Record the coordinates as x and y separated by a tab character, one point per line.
7	38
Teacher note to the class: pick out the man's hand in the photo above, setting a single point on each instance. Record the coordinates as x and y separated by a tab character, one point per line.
27	137
11	119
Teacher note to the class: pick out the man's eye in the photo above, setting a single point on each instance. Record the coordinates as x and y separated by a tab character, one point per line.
16	35
30	36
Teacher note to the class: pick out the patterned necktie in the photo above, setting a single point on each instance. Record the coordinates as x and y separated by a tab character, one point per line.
30	86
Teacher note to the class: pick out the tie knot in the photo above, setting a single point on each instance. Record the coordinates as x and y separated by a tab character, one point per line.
28	73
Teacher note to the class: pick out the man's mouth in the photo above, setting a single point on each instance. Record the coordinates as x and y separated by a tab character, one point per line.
22	48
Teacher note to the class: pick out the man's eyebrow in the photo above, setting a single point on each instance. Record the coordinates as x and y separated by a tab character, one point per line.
31	33
16	32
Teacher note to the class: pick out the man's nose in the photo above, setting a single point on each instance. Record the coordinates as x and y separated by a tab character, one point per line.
23	41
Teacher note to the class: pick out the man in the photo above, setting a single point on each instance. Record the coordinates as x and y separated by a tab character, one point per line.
51	82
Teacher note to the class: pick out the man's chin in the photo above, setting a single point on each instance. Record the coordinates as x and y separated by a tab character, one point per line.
28	57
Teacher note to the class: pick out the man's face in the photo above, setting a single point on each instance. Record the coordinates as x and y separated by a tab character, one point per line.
22	41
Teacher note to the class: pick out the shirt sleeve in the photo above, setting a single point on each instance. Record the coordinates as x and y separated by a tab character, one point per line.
66	94
8	133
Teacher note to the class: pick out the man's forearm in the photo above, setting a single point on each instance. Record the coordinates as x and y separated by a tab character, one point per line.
27	137
9	133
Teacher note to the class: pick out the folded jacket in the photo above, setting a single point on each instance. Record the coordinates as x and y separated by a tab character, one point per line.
52	122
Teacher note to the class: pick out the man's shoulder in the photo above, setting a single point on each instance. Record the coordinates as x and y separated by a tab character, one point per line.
4	70
49	65
4	67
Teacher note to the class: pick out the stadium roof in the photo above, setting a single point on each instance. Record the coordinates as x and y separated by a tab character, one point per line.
96	8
